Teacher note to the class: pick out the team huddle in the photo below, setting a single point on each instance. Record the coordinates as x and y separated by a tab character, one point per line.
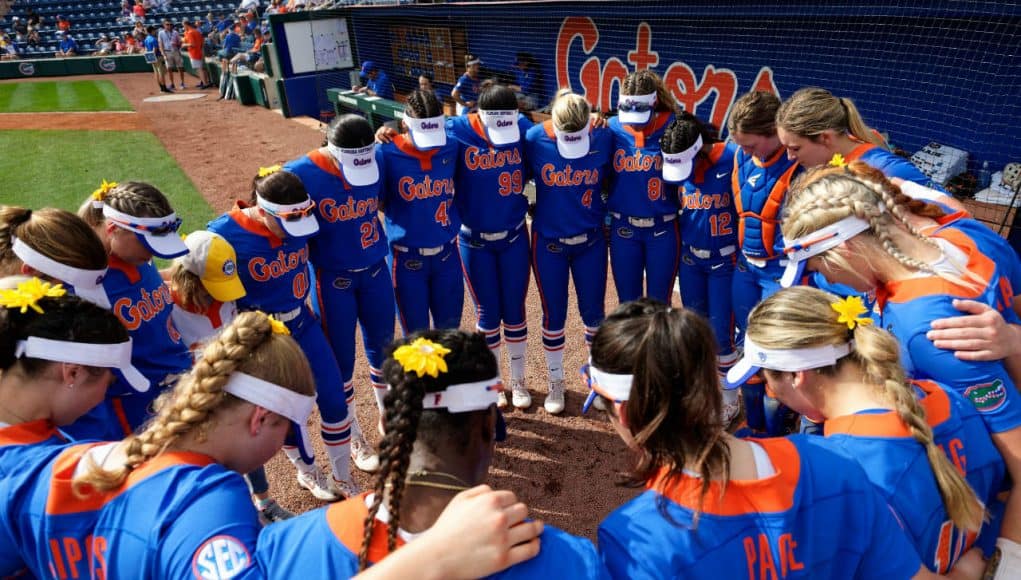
828	288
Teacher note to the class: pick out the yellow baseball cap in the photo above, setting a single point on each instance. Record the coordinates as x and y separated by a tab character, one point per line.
213	260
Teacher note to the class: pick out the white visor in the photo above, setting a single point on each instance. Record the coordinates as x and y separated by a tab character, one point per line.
572	145
165	245
473	61
501	126
798	359
427	133
677	166
616	388
299	228
115	356
286	403
86	283
800	250
645	103
465	397
359	164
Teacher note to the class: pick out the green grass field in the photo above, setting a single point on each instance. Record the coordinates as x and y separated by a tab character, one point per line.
62	96
61	168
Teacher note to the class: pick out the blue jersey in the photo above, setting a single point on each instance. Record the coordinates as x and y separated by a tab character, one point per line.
759	190
890	164
274	271
490	179
989	242
468	88
381	85
350	235
708	219
897	465
326	543
907	309
143	304
418	193
636	187
151	44
568	192
802	522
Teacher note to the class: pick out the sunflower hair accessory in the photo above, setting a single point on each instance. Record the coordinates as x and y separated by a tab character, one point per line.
100	193
278	327
837	161
422	357
29	293
264	171
852	311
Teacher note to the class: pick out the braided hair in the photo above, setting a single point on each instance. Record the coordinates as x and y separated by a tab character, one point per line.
644	82
134	198
684	131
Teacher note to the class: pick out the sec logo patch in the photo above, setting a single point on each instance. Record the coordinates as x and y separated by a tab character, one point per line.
220	558
987	397
229	268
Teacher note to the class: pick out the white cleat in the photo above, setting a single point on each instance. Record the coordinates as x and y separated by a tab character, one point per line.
520	396
362	454
555	399
316	483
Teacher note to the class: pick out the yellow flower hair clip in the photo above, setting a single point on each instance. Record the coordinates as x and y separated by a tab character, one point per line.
29	293
837	161
278	327
100	193
264	171
422	357
852	311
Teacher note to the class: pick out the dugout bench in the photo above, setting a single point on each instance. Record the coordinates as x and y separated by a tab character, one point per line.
377	110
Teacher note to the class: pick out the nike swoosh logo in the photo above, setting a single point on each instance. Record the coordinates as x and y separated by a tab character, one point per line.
716	266
445	161
658	234
719	175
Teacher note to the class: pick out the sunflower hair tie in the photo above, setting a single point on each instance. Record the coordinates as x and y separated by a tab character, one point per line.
422	357
837	161
852	311
29	293
278	327
100	193
264	171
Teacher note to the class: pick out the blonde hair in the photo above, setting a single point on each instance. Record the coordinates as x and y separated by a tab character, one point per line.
246	345
811	111
570	112
55	233
189	293
825	196
802	317
754	113
643	82
134	198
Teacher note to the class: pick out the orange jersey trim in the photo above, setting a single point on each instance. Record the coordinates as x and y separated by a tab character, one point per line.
252	225
770	209
425	158
889	424
327	164
858	151
770	494
657	122
347	522
776	156
476	124
129	270
704	163
28	433
912	288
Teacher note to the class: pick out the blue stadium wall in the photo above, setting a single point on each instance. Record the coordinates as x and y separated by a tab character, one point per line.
949	73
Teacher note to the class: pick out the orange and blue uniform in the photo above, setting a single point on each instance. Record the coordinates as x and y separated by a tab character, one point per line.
644	238
896	464
327	541
801	522
890	164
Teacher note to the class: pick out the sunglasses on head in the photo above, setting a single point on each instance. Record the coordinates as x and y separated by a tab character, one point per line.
635	107
295	214
163	229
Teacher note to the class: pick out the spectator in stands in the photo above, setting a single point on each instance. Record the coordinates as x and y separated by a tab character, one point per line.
33	37
170	44
377	84
68	46
19	26
104	45
225	23
529	83
33	19
425	83
248	6
138	12
63	24
466	91
18	38
208	25
154	56
231	45
129	45
277	7
8	50
126	14
250	56
193	43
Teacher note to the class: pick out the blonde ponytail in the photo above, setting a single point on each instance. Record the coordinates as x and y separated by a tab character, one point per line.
811	111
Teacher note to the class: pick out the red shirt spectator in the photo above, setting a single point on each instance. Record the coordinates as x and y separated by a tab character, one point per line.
63	24
193	39
139	10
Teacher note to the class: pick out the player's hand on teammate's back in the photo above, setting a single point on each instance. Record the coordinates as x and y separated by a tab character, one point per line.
385	134
979	334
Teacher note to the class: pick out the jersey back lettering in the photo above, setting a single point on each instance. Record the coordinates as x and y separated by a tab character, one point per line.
708	218
418	193
636	183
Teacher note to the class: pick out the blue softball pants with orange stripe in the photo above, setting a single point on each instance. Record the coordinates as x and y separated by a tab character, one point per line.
650	251
556	259
706	282
427	285
351	298
497	273
336	422
753	284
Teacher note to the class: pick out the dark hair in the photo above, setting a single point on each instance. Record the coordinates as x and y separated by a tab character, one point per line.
150	29
469	360
684	131
422	105
754	113
350	132
282	187
66	317
468	57
498	98
527	59
674	410
644	82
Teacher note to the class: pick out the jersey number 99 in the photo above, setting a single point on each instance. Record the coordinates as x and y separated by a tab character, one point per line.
510	182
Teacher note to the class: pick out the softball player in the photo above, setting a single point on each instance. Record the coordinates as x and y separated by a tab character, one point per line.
644	241
204	285
759	183
570	159
135	221
490	181
453	436
837	224
270	238
904	435
422	221
349	256
716	505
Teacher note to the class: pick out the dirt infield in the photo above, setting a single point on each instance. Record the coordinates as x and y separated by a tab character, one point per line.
563	467
126	121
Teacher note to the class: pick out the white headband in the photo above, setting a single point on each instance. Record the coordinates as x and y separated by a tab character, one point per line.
284	402
114	356
792	360
614	387
473	61
465	397
130	222
85	282
825	238
279	208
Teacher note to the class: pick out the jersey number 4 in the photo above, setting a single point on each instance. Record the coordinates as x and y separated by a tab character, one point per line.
441	214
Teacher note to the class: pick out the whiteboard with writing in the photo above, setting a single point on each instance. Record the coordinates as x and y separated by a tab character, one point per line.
318	45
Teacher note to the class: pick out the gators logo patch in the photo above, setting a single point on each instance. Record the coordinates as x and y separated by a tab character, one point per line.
987	397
